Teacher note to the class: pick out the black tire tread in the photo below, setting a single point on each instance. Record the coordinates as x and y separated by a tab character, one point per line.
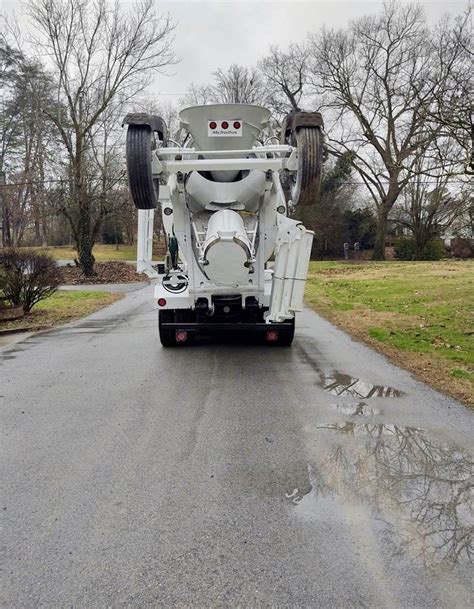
310	158
143	188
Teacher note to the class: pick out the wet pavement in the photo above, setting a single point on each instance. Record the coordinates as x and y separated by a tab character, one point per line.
7	339
228	475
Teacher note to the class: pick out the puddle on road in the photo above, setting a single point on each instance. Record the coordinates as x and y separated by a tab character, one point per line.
360	409
341	384
344	385
415	492
297	495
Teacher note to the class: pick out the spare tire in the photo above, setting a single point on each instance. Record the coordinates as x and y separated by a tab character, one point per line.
143	187
305	184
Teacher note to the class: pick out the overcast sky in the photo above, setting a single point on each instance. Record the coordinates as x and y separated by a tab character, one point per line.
215	34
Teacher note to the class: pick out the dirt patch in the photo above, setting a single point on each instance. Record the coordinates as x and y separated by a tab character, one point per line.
105	272
363	319
345	270
357	270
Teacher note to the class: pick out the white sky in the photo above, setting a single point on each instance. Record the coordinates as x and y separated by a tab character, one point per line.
215	34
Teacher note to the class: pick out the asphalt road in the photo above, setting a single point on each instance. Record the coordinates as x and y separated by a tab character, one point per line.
227	475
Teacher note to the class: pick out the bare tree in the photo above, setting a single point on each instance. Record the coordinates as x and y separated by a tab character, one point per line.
427	212
12	203
168	111
429	205
379	79
198	95
25	152
98	51
286	75
237	85
453	108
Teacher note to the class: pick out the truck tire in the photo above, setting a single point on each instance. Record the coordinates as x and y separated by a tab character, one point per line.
304	187
167	337
143	187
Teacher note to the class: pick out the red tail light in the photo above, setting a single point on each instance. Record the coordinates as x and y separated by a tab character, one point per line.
161	302
236	125
272	336
212	125
181	336
225	125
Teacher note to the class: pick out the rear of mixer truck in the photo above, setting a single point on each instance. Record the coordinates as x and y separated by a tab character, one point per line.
235	261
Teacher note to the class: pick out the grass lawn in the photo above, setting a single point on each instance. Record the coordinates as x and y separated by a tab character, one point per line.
102	253
61	307
421	314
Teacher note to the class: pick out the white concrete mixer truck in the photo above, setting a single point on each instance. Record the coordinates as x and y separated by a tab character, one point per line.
235	261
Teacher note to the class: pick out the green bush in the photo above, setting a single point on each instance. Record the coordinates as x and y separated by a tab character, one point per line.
361	226
405	248
434	250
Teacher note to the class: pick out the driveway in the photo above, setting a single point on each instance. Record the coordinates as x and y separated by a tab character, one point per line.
223	475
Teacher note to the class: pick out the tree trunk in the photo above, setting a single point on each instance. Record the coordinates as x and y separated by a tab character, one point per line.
85	242
42	203
86	257
420	243
379	245
44	234
84	231
37	232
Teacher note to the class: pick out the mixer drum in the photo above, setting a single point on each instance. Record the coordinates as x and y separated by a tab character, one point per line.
227	249
245	194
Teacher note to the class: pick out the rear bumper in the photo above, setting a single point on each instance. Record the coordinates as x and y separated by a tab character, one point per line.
195	327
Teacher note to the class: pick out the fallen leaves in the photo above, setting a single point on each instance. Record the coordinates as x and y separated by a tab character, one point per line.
105	272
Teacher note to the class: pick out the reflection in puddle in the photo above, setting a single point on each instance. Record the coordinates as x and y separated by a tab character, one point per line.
419	491
343	384
360	409
297	495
